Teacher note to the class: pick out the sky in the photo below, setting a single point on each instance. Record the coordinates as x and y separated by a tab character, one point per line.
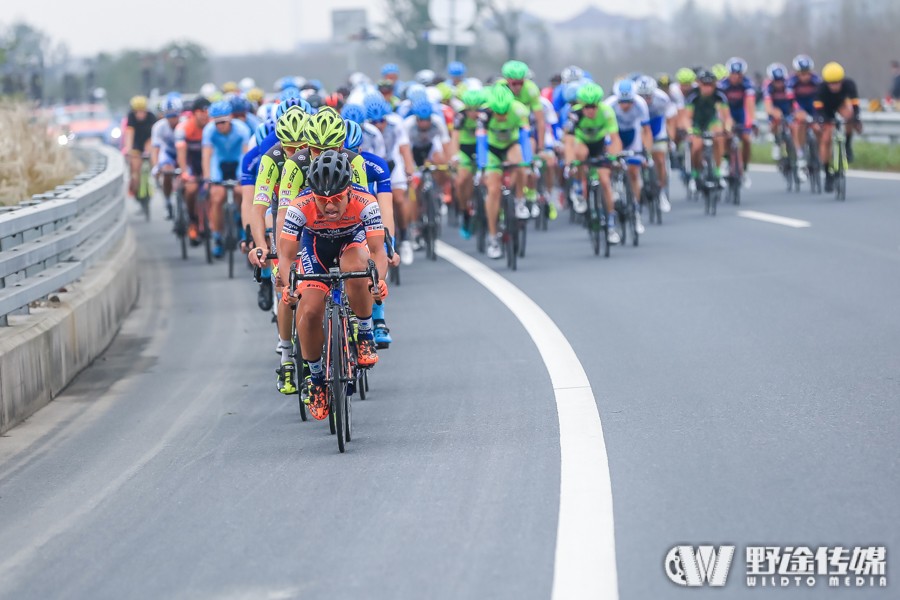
232	26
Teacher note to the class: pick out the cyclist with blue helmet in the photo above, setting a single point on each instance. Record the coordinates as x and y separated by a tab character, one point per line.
224	144
804	84
426	136
741	95
163	155
379	175
242	110
778	100
456	72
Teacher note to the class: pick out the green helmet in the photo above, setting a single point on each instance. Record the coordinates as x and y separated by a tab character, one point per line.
473	99
446	91
685	75
501	99
720	71
326	129
290	127
515	69
590	93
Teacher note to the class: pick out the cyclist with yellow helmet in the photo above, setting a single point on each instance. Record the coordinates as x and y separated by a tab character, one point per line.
836	96
138	132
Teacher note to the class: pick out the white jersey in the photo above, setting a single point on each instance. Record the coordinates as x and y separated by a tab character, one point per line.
550	119
395	136
636	116
661	105
676	95
373	141
420	138
162	136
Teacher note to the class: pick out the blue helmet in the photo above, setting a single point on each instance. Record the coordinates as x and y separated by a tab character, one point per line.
354	135
422	109
570	92
456	69
306	106
284	83
377	110
171	106
220	109
625	90
285	104
239	104
776	72
289	93
264	130
314	84
390	69
354	112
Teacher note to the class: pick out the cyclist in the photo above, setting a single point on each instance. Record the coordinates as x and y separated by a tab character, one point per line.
224	144
138	130
707	111
516	76
379	176
386	89
633	118
551	143
778	99
457	72
804	84
504	137
163	155
189	148
465	130
741	95
662	125
835	97
332	222
590	124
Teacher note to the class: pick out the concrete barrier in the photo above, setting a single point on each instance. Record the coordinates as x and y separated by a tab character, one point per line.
42	352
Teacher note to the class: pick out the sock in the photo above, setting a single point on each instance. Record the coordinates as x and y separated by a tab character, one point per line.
694	173
285	347
365	328
717	171
404	234
316	373
378	313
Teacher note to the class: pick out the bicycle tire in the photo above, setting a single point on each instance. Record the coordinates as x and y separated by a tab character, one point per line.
298	367
360	383
207	239
522	235
229	241
479	220
181	224
594	223
338	387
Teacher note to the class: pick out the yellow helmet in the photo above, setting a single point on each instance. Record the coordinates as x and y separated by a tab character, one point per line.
230	87
139	103
833	73
255	94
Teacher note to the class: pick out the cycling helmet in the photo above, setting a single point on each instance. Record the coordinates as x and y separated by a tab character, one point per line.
425	77
239	105
229	87
357	79
570	93
255	95
514	69
291	125
414	90
803	63
171	106
625	90
456	69
208	90
354	112
663	80
833	73
685	75
283	83
264	130
776	72
220	109
325	129
285	104
473	83
646	86
422	109
314	84
705	76
266	111
377	111
473	99
390	69
446	91
736	65
720	71
329	173
572	73
315	100
501	99
354	135
246	84
589	93
139	103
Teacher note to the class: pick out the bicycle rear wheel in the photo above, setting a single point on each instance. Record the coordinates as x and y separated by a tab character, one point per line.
595	229
510	225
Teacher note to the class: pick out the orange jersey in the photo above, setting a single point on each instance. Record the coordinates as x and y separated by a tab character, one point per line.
362	212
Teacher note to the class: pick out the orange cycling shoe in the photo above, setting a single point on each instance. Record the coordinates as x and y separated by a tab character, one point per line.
318	401
366	356
194	234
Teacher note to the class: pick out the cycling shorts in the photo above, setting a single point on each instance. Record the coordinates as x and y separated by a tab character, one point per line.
631	141
223	171
496	158
596	149
658	127
318	254
467	158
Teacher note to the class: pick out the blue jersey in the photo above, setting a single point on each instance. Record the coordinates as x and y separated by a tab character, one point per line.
782	97
805	93
378	173
227	147
736	93
250	162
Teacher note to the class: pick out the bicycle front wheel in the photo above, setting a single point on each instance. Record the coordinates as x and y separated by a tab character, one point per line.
338	384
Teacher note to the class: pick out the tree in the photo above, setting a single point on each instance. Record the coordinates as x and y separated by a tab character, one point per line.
405	32
507	18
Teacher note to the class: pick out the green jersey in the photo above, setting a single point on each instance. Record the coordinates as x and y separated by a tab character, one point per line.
529	95
589	131
503	133
466	127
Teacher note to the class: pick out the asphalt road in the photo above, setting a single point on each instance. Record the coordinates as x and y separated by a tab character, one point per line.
747	376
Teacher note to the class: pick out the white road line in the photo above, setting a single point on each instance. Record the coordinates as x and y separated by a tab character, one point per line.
585	563
883	176
776	219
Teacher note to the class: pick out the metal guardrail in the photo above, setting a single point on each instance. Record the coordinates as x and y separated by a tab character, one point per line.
878	127
49	241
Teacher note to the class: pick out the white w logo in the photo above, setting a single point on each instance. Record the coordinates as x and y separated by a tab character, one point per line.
707	565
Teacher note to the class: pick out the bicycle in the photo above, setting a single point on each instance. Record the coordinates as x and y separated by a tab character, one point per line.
181	219
479	216
735	177
513	230
542	195
787	164
813	164
145	187
231	219
596	217
429	207
650	190
202	208
839	164
340	364
625	210
708	185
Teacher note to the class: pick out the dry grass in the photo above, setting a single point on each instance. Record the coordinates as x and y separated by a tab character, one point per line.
30	161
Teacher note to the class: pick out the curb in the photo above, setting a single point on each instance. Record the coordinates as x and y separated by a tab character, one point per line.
42	352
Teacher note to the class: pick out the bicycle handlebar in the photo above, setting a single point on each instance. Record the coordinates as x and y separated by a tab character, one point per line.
333	277
257	271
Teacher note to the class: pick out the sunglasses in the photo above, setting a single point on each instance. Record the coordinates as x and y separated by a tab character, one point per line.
291	147
376	121
335	199
515	81
222	122
590	106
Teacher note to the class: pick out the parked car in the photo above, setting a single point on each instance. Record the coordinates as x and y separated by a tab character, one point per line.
86	121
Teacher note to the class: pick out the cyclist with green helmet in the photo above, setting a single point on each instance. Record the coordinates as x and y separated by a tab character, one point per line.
465	131
503	137
516	76
591	131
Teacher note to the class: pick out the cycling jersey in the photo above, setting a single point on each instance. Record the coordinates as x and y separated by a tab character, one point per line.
425	142
162	136
378	173
268	176
661	108
466	127
190	135
736	93
591	131
552	126
293	174
805	92
828	103
373	141
228	148
142	129
502	134
252	159
704	109
632	119
781	96
529	94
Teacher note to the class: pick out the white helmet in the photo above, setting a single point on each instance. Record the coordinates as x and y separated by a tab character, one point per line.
473	83
246	84
434	95
571	73
357	79
646	85
414	89
208	89
425	77
266	111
